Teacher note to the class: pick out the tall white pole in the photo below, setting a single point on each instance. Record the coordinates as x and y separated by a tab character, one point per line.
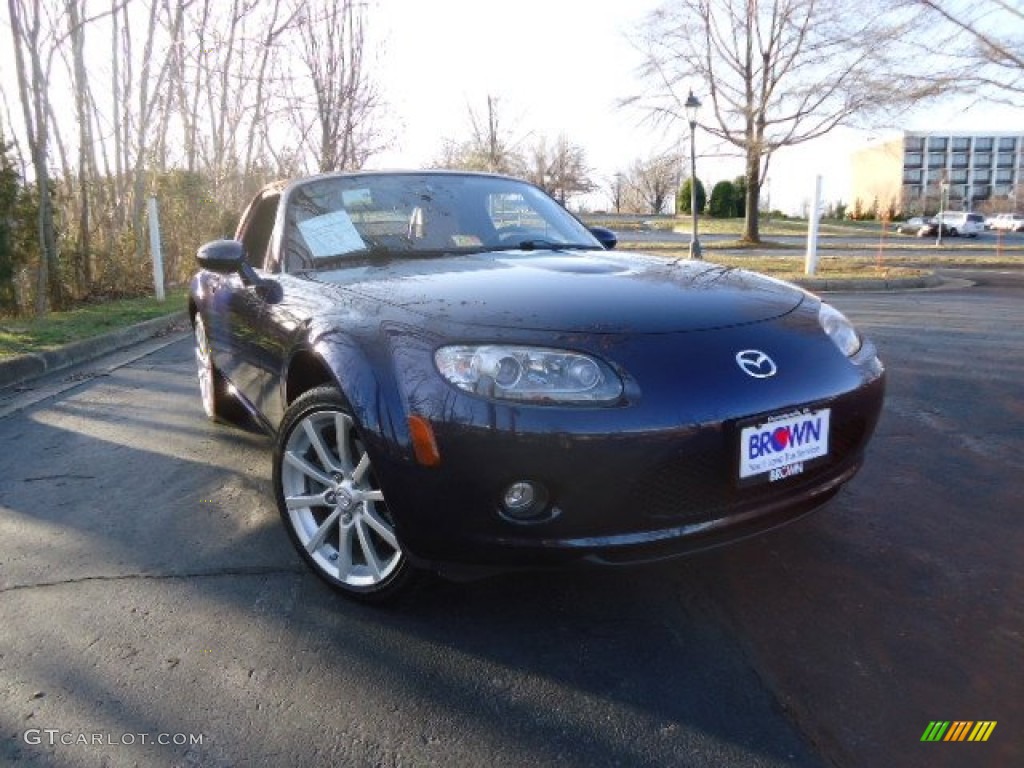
942	194
811	260
154	249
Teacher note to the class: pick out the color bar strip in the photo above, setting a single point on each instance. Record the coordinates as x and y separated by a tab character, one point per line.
959	730
982	730
935	730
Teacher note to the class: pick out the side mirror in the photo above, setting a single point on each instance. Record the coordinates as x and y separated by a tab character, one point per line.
224	256
606	237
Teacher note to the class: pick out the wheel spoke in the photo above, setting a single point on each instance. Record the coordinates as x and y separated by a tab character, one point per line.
318	538
344	551
360	471
374	495
366	544
302	502
200	338
202	342
342	426
307	469
205	367
378	524
318	445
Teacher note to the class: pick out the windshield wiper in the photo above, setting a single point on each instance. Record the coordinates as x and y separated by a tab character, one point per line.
376	251
547	245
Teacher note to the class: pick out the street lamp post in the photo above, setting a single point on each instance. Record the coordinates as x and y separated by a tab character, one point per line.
691	106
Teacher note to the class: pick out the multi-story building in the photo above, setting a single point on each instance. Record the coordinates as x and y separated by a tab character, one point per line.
972	171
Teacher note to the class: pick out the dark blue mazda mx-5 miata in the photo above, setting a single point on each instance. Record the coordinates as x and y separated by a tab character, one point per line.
460	377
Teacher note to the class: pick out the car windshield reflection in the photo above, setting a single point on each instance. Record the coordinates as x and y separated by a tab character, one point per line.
333	220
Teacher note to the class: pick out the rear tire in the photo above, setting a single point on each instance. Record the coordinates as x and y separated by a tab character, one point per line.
218	404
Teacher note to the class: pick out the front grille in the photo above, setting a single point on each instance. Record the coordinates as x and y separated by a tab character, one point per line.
695	488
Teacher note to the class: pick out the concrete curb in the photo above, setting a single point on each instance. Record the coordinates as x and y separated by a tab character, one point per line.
868	285
20	368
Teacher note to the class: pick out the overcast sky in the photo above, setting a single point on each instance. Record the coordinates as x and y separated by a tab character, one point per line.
556	66
560	66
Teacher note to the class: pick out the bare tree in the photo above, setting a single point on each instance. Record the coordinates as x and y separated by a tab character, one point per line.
191	82
10	183
496	150
275	28
489	148
27	39
333	35
145	88
86	149
652	181
615	187
775	74
120	86
559	169
197	100
986	39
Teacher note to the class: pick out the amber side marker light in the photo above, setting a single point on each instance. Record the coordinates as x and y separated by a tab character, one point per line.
423	443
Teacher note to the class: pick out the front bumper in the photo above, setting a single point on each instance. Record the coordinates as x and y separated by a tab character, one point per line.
613	499
634	483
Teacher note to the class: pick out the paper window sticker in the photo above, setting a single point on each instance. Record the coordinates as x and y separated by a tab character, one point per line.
331	234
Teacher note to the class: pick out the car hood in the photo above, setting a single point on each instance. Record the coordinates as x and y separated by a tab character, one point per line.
591	292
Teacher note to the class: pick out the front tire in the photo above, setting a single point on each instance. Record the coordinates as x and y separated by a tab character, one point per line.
331	503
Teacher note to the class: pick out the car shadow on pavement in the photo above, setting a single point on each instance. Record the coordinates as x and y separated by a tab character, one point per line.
146	585
148	588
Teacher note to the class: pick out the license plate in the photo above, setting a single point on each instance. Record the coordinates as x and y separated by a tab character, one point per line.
777	447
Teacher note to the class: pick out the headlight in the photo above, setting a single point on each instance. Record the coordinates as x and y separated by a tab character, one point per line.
840	330
530	374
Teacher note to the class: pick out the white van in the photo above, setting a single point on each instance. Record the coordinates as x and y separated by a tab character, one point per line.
963	223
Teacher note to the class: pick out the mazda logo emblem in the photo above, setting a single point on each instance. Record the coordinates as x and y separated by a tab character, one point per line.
756	363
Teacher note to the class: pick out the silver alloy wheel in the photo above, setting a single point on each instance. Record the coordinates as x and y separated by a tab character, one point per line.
336	511
204	364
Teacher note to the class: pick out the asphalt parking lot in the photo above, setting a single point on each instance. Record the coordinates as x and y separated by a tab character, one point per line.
148	594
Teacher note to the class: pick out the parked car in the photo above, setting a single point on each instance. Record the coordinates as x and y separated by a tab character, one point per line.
911	226
1008	222
928	228
963	223
459	377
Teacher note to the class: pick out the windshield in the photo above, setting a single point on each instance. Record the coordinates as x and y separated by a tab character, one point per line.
396	215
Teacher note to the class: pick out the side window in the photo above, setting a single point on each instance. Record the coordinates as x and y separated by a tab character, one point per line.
256	229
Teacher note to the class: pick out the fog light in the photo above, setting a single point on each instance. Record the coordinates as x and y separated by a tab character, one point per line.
519	496
524	501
